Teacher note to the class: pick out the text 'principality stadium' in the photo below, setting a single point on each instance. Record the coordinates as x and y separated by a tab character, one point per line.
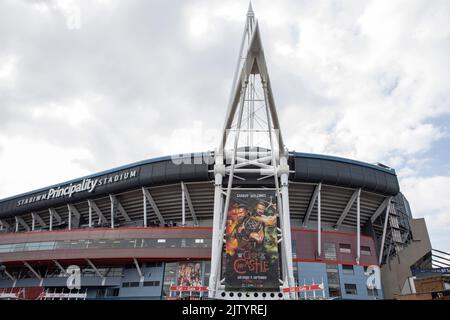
250	220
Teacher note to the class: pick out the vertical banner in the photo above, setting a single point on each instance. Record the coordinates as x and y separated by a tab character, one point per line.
251	257
189	274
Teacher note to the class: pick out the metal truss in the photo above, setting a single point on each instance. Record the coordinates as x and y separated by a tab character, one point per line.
242	157
440	259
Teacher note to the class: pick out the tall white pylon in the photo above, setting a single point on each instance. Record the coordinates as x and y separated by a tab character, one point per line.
251	149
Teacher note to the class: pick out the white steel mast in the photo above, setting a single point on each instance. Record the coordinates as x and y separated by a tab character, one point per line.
251	147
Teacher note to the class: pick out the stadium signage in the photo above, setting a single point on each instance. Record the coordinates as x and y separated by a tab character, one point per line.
431	271
312	287
189	288
86	185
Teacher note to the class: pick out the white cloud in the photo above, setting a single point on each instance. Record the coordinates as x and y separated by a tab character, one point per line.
8	70
429	198
201	19
69	9
192	137
73	113
33	164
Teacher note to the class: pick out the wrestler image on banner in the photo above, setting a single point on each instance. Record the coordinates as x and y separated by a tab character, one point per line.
251	258
189	274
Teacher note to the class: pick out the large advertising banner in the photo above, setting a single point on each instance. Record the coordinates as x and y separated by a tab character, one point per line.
251	257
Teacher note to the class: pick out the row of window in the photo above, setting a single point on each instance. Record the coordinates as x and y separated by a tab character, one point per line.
107	292
348	269
138	284
114	292
107	244
55	272
347	248
145	265
351	289
330	250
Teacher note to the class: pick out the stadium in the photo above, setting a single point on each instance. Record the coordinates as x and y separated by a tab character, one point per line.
188	226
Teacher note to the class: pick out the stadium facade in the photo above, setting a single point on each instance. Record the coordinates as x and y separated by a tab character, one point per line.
188	226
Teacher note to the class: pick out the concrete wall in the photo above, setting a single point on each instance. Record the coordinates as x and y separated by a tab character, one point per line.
396	271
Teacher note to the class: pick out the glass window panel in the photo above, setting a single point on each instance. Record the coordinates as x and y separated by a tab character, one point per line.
350	288
112	292
330	251
347	269
5	248
365	250
132	243
100	244
19	247
333	278
151	283
50	245
173	243
170	277
334	292
150	243
62	244
108	243
345	248
372	292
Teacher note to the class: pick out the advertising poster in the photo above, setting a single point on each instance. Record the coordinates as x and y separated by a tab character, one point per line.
251	257
189	274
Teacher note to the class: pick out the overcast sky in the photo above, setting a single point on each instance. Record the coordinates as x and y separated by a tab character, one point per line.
90	85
